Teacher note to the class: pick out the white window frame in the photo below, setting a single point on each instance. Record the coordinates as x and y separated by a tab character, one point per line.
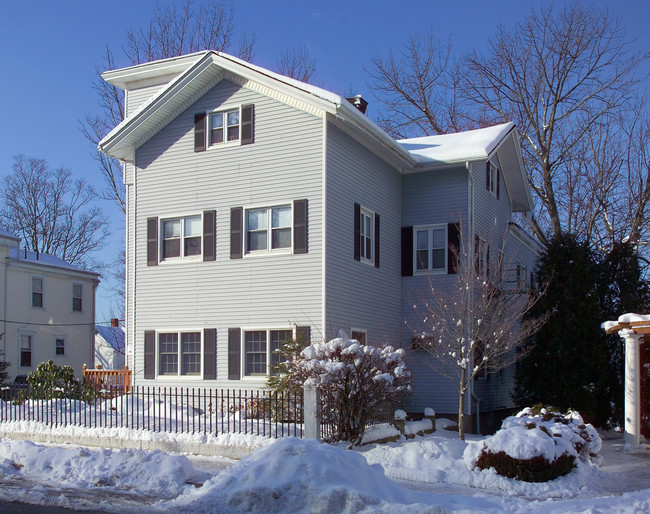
179	353
224	110
56	339
269	229
31	291
367	224
363	331
181	238
79	284
445	246
31	349
494	170
269	352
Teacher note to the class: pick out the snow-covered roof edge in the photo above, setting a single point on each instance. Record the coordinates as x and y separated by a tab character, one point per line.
43	259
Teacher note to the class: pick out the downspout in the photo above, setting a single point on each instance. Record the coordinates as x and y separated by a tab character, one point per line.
324	234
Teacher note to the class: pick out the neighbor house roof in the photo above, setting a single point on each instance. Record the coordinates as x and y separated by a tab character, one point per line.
8	235
44	259
114	336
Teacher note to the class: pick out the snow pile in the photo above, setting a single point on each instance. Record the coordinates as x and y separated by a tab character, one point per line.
380	432
295	475
83	468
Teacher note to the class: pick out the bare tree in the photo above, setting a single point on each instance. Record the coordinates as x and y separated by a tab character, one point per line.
171	32
296	63
559	75
418	89
52	212
476	326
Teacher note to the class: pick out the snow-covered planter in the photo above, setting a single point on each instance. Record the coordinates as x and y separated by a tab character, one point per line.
536	447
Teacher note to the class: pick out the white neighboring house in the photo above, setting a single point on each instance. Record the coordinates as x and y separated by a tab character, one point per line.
109	346
47	309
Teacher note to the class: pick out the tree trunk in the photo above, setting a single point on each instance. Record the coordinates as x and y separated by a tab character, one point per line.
461	425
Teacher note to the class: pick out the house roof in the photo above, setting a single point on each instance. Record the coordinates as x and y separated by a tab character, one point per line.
114	336
190	77
44	259
8	235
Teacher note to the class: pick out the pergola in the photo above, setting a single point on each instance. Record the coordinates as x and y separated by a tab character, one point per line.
631	328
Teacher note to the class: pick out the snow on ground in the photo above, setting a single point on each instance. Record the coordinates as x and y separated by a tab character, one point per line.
424	474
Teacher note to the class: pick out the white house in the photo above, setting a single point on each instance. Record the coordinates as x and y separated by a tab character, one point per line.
109	346
261	208
47	308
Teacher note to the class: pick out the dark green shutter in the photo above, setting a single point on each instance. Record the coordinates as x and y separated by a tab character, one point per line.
300	226
357	232
199	132
210	354
407	251
234	353
209	235
236	232
152	241
247	124
149	354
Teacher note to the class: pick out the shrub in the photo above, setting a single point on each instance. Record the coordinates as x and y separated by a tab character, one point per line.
52	381
354	381
535	469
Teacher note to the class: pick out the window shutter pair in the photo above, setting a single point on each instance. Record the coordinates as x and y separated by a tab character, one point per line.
357	235
209	238
300	239
234	349
209	354
453	249
247	128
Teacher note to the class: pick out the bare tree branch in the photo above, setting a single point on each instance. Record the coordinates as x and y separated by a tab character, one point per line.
296	63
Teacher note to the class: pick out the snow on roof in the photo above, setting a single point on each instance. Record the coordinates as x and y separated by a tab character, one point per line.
114	336
44	259
472	145
6	233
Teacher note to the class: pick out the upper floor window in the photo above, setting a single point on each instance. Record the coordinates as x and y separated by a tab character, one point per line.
482	257
77	297
366	235
268	228
231	125
181	237
37	291
492	179
430	250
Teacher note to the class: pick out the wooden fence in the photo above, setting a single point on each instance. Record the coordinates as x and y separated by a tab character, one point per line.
110	383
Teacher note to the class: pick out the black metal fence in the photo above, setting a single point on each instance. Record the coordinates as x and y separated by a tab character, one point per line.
164	409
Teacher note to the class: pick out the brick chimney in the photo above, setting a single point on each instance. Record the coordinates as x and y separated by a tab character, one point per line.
359	103
115	322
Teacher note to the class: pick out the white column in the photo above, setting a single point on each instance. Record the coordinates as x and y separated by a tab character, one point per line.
632	438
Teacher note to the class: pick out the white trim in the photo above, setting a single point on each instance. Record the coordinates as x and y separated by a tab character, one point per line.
223	109
269	229
363	331
370	215
179	375
72	297
56	355
33	276
161	238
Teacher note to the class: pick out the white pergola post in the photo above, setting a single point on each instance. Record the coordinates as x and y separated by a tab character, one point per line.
632	437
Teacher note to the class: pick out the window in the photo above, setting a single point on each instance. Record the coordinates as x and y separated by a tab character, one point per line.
224	126
260	350
188	353
77	298
482	257
366	235
37	292
59	346
430	248
26	350
268	228
181	237
359	334
492	179
232	125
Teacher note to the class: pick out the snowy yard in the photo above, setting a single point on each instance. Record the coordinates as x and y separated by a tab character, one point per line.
424	474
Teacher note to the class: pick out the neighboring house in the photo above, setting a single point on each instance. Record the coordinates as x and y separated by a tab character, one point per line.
47	309
261	208
109	346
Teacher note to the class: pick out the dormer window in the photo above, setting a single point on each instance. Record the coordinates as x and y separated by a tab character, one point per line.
229	126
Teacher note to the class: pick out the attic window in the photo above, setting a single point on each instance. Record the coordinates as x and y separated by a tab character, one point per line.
229	126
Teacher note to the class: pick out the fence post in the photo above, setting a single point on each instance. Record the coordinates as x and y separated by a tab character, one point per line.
312	411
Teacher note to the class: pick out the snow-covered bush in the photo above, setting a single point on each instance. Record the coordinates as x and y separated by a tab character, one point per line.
536	446
353	379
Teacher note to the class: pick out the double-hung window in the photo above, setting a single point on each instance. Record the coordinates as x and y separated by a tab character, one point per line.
492	179
224	126
59	346
482	257
367	234
26	350
431	248
38	291
268	228
179	347
181	237
77	297
260	350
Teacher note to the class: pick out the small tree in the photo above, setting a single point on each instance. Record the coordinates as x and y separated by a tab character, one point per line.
478	325
3	366
52	381
354	381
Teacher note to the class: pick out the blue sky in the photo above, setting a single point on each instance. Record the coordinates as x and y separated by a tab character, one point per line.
50	50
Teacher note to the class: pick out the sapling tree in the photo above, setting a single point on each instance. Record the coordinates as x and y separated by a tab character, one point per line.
478	325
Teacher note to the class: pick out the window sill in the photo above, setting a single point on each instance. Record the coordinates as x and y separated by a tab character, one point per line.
180	260
430	272
264	253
